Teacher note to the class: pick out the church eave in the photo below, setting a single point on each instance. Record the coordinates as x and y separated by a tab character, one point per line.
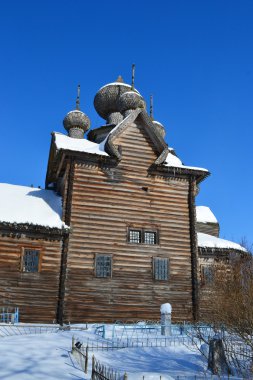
24	228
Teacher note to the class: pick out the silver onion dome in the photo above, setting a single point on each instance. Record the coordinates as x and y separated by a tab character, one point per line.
106	99
130	100
159	127
76	123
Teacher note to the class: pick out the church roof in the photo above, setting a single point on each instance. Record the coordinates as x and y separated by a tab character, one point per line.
205	215
173	161
78	145
85	146
209	241
28	205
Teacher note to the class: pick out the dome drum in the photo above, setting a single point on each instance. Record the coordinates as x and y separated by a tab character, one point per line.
76	133
114	118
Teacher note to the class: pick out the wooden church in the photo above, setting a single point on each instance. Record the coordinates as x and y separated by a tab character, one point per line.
115	233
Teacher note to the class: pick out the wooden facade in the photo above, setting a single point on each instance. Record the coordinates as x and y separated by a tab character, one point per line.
106	202
105	198
36	294
210	260
208	228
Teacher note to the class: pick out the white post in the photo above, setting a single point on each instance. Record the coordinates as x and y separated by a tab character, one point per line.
166	310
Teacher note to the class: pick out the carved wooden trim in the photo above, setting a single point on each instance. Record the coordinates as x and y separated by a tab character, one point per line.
15	230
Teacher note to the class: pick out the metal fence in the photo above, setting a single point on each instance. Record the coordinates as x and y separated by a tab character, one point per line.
115	344
103	372
137	330
25	329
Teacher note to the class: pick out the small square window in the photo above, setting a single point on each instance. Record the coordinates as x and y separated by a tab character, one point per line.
207	274
149	237
161	268
135	236
103	266
31	260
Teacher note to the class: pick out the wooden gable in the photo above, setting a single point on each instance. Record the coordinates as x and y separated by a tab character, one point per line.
138	137
138	152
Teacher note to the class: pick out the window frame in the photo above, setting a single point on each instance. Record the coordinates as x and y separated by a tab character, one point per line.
142	231
95	265
154	269
204	280
30	248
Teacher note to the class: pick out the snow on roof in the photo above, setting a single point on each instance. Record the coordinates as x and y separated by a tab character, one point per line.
78	145
205	215
174	161
74	111
21	204
118	84
209	241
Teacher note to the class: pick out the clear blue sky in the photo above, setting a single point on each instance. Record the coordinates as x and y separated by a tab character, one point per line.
195	57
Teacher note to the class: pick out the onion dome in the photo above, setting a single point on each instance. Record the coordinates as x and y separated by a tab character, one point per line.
130	100
159	127
106	99
76	122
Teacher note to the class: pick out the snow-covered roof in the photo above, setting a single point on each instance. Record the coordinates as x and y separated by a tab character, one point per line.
174	161
78	145
118	84
209	241
205	215
21	204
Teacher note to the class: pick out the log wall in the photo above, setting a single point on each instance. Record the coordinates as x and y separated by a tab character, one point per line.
36	294
105	202
208	228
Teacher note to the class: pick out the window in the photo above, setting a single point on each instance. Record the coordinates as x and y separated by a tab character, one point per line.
142	236
103	266
31	260
161	268
149	237
134	236
207	274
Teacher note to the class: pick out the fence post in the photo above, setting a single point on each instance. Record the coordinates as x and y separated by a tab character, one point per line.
86	359
73	344
93	368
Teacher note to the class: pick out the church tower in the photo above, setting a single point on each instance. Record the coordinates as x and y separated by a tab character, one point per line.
129	202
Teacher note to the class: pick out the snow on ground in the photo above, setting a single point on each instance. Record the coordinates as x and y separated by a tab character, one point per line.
153	362
47	356
22	204
40	357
